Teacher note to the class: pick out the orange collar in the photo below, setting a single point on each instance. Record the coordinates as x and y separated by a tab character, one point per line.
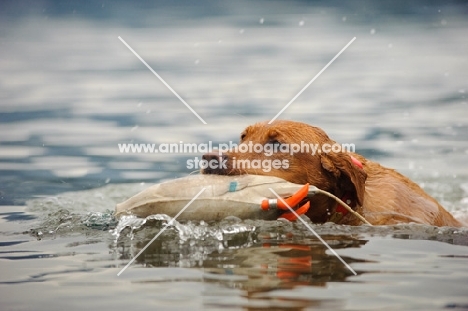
340	211
348	200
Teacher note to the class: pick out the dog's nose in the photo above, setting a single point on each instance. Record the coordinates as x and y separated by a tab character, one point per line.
214	163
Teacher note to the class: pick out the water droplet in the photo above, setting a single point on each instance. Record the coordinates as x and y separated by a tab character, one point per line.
261	20
139	104
461	91
107	180
197	62
344	18
372	31
148	111
301	23
443	22
390	45
241	31
134	128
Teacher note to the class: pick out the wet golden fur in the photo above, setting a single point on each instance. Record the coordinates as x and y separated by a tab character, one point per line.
382	195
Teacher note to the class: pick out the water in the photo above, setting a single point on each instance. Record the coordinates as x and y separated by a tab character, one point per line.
71	91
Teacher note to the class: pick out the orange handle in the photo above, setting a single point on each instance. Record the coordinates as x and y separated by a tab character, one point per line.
291	201
300	211
294	199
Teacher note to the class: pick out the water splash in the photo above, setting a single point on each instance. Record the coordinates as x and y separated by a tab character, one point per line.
92	211
229	228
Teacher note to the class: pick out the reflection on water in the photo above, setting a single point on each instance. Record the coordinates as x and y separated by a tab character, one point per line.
240	263
73	241
71	91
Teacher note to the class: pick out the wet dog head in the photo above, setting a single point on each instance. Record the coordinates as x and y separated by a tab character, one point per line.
296	152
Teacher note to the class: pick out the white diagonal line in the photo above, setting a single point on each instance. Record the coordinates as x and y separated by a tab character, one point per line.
313	231
162	80
160	232
310	82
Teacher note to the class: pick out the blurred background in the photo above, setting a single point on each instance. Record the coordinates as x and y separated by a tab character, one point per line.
70	90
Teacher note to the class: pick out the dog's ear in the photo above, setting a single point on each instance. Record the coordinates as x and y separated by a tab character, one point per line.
348	171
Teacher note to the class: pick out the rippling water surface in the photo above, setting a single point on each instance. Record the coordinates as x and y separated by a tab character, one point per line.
71	91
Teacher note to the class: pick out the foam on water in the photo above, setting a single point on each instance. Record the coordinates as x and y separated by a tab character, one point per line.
93	210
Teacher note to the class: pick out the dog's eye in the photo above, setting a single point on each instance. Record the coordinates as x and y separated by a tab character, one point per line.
242	137
274	142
